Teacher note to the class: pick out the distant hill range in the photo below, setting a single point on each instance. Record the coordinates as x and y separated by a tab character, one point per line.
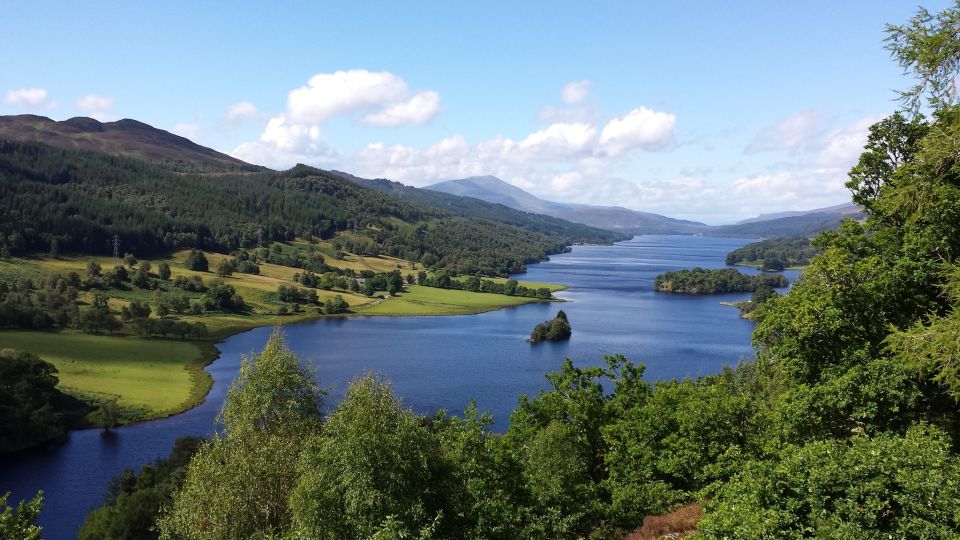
482	197
128	138
615	218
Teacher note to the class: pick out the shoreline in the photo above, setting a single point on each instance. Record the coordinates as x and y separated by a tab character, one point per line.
202	382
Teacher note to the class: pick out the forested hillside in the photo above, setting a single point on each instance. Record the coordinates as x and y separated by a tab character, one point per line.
777	252
57	200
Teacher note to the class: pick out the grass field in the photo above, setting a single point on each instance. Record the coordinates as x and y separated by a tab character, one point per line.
150	378
419	300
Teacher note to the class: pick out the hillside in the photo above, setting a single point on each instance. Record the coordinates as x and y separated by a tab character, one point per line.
493	189
128	138
52	199
806	224
471	207
848	209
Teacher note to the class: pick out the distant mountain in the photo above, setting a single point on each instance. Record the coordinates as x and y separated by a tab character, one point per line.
128	138
613	218
807	224
495	190
471	207
846	209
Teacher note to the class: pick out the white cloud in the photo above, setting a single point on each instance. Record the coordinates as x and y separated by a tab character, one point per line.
189	130
346	92
284	143
417	110
641	128
296	136
794	132
243	110
560	140
843	147
32	98
575	92
99	107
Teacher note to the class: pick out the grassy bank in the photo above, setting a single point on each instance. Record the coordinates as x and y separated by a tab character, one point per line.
157	377
418	300
149	378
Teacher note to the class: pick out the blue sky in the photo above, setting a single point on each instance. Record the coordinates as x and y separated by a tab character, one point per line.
700	110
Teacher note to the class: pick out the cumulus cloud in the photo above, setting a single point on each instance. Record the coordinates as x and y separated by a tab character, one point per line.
31	98
345	92
243	110
842	148
575	92
417	110
99	107
284	143
383	99
791	133
641	128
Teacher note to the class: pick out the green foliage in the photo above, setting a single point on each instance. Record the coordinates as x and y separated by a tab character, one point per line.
789	251
163	271
32	410
722	280
373	462
238	483
556	329
197	261
337	305
679	439
927	47
20	524
933	347
885	486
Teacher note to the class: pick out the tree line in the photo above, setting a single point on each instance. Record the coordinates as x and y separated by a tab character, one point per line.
715	281
776	253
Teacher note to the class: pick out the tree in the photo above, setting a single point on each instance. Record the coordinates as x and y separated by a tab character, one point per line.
32	410
224	268
163	271
374	461
109	414
130	260
197	261
337	305
927	47
93	268
892	142
55	247
238	483
20	524
772	265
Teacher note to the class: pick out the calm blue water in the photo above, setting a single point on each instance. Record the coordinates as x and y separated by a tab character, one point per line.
441	362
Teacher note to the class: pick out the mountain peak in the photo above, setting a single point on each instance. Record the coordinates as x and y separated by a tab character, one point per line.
127	138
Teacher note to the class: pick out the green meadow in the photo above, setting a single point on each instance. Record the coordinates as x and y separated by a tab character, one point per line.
418	300
149	378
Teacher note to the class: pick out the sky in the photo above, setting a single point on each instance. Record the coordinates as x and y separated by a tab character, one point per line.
712	111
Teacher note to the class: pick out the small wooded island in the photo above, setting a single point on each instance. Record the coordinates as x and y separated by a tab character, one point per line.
557	329
715	281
